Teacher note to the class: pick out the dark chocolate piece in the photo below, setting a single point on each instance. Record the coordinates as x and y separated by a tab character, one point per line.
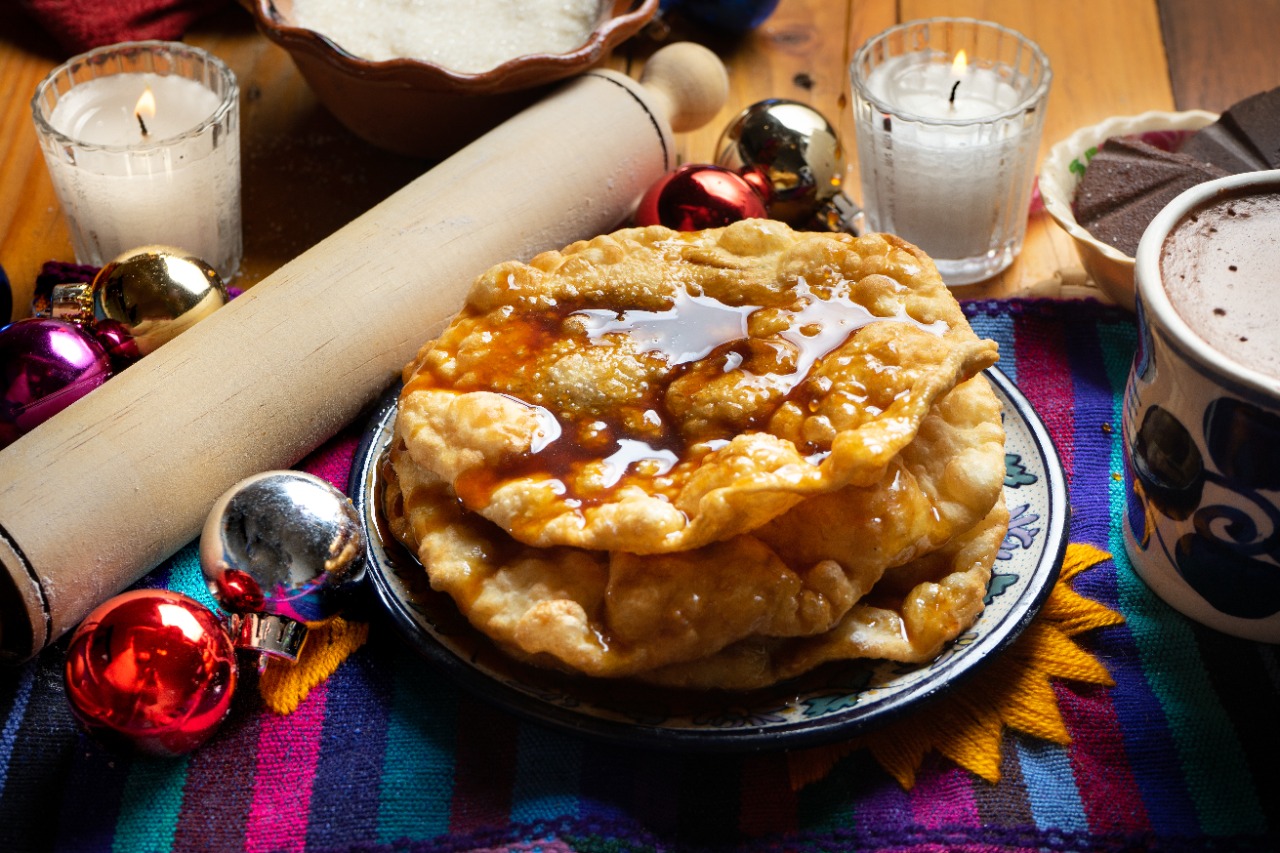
1246	138
1127	183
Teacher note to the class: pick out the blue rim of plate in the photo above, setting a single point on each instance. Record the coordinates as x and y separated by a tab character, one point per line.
836	701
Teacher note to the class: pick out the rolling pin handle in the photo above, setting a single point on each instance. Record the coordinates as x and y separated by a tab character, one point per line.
689	84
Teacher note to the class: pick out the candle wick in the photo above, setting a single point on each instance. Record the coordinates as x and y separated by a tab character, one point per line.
142	124
951	100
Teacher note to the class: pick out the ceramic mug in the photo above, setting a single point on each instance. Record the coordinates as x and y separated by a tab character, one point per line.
1201	412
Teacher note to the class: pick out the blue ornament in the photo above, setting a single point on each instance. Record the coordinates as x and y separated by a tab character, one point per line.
736	16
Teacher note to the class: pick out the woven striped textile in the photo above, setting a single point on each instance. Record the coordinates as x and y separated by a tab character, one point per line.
1182	753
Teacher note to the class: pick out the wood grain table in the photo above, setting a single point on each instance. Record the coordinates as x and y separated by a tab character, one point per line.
1180	753
305	175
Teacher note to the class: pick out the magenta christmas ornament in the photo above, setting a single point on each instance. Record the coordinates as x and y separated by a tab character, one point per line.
45	366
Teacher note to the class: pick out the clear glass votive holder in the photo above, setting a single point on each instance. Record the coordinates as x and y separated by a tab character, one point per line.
128	175
948	114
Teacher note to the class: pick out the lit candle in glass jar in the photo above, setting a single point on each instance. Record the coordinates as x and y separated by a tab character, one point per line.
948	115
142	144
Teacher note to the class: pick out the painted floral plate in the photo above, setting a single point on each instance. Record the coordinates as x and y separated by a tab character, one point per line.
832	702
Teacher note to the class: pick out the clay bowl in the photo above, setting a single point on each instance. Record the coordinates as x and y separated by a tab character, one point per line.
1109	268
421	109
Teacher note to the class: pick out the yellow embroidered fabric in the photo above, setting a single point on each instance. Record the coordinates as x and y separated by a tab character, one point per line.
1013	691
283	685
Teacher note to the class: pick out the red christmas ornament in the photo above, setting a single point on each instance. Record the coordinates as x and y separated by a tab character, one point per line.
151	669
697	196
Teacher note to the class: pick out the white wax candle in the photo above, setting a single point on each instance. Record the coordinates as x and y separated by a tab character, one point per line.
942	163
178	184
102	111
920	85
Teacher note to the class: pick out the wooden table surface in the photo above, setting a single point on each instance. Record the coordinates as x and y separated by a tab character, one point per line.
305	175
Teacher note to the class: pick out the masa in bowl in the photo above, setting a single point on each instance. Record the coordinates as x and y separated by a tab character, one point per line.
419	108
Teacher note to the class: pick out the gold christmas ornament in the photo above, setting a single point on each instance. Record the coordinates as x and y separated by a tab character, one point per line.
147	295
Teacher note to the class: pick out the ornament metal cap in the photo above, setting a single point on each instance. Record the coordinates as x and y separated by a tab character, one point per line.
72	302
276	636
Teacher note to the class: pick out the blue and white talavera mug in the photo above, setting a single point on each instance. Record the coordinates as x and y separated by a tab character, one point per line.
1202	423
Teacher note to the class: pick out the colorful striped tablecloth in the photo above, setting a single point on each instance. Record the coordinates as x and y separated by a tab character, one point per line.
1182	753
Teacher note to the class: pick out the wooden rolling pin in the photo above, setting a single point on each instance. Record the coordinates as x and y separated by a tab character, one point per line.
101	493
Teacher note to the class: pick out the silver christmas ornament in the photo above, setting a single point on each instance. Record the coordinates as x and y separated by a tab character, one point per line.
281	550
791	151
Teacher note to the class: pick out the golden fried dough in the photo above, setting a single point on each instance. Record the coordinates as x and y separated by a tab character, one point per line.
653	392
610	613
908	617
942	483
623	614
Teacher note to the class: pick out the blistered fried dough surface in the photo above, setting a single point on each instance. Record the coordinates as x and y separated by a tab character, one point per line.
623	614
653	391
908	616
613	613
944	482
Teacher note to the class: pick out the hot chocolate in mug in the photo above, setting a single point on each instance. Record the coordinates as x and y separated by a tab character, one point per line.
1202	407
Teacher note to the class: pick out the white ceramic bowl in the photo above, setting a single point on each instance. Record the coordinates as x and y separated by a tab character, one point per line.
1109	268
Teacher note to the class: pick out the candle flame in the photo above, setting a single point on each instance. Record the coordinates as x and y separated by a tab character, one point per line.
146	104
959	64
145	109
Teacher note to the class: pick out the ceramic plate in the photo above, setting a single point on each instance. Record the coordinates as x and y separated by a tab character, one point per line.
832	702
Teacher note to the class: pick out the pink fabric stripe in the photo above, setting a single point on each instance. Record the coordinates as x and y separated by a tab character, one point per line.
332	460
288	749
1108	790
943	797
1044	376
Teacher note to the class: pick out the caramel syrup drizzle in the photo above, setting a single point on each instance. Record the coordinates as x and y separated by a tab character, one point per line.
696	334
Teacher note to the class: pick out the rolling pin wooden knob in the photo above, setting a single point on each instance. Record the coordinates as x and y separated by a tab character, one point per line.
100	494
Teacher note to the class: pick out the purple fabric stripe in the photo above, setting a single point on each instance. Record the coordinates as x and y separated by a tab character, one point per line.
344	805
1115	347
943	795
219	786
597	834
485	756
1096	430
882	802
